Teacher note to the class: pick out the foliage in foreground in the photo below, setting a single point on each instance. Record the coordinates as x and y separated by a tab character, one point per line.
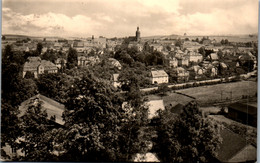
188	137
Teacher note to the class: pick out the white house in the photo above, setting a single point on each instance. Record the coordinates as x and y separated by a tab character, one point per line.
173	62
37	66
195	57
159	76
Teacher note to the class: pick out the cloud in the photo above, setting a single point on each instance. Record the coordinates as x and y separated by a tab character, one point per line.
120	18
47	24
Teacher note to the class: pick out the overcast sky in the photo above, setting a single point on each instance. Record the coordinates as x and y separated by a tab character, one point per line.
110	18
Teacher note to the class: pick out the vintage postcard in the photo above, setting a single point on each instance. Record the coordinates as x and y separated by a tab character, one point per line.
129	81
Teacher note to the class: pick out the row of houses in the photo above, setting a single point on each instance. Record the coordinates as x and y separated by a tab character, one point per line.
37	66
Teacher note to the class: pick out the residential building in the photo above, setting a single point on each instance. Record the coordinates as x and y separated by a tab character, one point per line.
184	61
79	46
156	47
159	76
194	57
138	46
84	61
54	112
115	63
60	62
213	57
197	69
234	148
37	66
57	46
181	74
173	62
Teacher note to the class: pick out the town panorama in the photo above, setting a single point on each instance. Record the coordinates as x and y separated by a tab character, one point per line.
159	98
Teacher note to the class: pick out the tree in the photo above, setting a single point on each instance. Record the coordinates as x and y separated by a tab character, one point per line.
10	129
29	75
163	88
37	140
178	43
54	86
202	51
98	128
39	48
189	137
15	89
72	58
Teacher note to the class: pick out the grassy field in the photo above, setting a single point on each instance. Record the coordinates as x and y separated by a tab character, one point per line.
208	95
211	94
171	98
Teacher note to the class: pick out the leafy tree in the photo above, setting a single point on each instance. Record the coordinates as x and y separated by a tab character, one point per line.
37	136
72	60
15	89
54	86
124	56
155	58
49	55
220	54
202	51
92	53
163	88
10	129
97	127
189	137
29	75
179	43
39	48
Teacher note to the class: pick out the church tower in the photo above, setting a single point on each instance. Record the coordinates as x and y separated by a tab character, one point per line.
137	34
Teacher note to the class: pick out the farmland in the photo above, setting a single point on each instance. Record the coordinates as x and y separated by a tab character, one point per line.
222	92
209	95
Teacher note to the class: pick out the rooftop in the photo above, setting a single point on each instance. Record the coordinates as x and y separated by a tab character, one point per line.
248	108
159	73
53	108
231	145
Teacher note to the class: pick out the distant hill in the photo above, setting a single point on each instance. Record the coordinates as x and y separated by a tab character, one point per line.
21	37
173	36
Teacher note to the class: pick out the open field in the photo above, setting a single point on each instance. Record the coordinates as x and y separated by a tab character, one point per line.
208	95
171	98
211	94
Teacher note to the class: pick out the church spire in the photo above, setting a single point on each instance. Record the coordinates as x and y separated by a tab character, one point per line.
137	35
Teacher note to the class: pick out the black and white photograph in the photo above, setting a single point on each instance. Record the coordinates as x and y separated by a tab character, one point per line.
129	81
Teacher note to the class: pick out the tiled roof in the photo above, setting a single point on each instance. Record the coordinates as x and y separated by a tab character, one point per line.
52	107
232	144
214	56
32	66
159	73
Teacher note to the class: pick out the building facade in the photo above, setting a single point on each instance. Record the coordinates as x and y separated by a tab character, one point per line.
159	77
